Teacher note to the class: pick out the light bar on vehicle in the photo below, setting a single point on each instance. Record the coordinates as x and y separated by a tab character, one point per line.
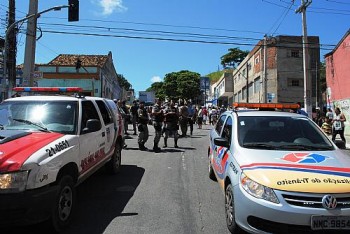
47	89
262	106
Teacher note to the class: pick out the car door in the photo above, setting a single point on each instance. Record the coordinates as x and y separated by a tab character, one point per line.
109	125
221	154
91	143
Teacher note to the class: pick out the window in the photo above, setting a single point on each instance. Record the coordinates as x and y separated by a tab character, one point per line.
257	60
294	82
257	85
244	91
220	123
227	130
295	53
88	112
250	89
106	115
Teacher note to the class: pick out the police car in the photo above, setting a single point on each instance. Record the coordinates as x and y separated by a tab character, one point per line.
279	172
48	145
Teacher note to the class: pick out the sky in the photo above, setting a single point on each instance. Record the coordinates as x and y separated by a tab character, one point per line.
151	38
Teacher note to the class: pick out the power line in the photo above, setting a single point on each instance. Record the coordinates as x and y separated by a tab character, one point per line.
284	16
165	39
337	2
154	32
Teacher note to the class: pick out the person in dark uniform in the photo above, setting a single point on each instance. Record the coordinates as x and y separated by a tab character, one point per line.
142	127
157	120
183	118
191	115
134	117
171	124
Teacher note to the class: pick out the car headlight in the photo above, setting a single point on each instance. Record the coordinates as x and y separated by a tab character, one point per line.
257	190
13	182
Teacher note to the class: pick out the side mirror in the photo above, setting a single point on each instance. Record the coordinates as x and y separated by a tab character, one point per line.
221	142
92	125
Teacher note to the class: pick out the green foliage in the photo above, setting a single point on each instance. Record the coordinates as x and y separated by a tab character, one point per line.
323	82
234	57
157	88
183	84
123	82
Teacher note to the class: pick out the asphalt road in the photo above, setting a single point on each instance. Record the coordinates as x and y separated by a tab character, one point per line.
155	193
167	192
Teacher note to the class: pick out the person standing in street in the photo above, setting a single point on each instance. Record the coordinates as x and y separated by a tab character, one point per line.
118	102
329	114
157	120
142	127
191	115
134	117
183	118
127	117
338	125
200	117
171	124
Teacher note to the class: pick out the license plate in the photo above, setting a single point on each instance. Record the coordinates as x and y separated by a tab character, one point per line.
330	222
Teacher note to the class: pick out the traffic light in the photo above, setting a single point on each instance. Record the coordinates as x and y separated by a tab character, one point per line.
73	10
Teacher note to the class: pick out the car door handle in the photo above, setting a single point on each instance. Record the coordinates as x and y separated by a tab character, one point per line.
103	134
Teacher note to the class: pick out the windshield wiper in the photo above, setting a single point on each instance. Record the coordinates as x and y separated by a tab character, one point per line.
305	147
259	145
42	128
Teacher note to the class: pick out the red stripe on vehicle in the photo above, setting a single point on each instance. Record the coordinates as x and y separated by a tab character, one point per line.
14	153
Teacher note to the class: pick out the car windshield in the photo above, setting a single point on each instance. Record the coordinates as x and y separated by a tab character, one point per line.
55	116
281	133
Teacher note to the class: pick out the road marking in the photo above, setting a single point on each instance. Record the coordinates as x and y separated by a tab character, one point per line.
183	160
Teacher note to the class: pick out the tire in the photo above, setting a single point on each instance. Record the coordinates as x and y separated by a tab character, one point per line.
113	166
211	172
230	210
64	204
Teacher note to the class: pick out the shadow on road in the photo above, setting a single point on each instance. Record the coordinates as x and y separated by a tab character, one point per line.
101	198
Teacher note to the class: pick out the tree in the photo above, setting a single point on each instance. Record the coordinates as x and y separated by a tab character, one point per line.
123	82
188	84
170	86
183	84
323	82
157	88
234	57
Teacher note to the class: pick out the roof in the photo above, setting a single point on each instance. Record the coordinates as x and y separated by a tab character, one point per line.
86	60
339	43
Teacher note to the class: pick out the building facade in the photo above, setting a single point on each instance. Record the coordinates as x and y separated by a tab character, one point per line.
95	74
272	72
338	78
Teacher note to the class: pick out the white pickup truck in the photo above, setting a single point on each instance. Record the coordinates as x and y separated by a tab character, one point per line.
48	145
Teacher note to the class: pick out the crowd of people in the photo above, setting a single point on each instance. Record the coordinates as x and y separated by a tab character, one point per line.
169	120
333	123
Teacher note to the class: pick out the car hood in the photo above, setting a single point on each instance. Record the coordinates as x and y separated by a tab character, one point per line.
17	146
314	172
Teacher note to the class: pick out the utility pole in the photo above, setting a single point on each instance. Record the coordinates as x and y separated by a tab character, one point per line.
247	80
29	54
265	71
307	80
12	45
8	30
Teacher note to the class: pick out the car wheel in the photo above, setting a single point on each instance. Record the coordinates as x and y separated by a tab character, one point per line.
64	203
230	211
114	164
211	172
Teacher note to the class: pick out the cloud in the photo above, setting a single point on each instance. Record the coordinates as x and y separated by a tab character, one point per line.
156	79
110	6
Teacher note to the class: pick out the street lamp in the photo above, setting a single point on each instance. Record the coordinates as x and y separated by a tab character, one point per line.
56	8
